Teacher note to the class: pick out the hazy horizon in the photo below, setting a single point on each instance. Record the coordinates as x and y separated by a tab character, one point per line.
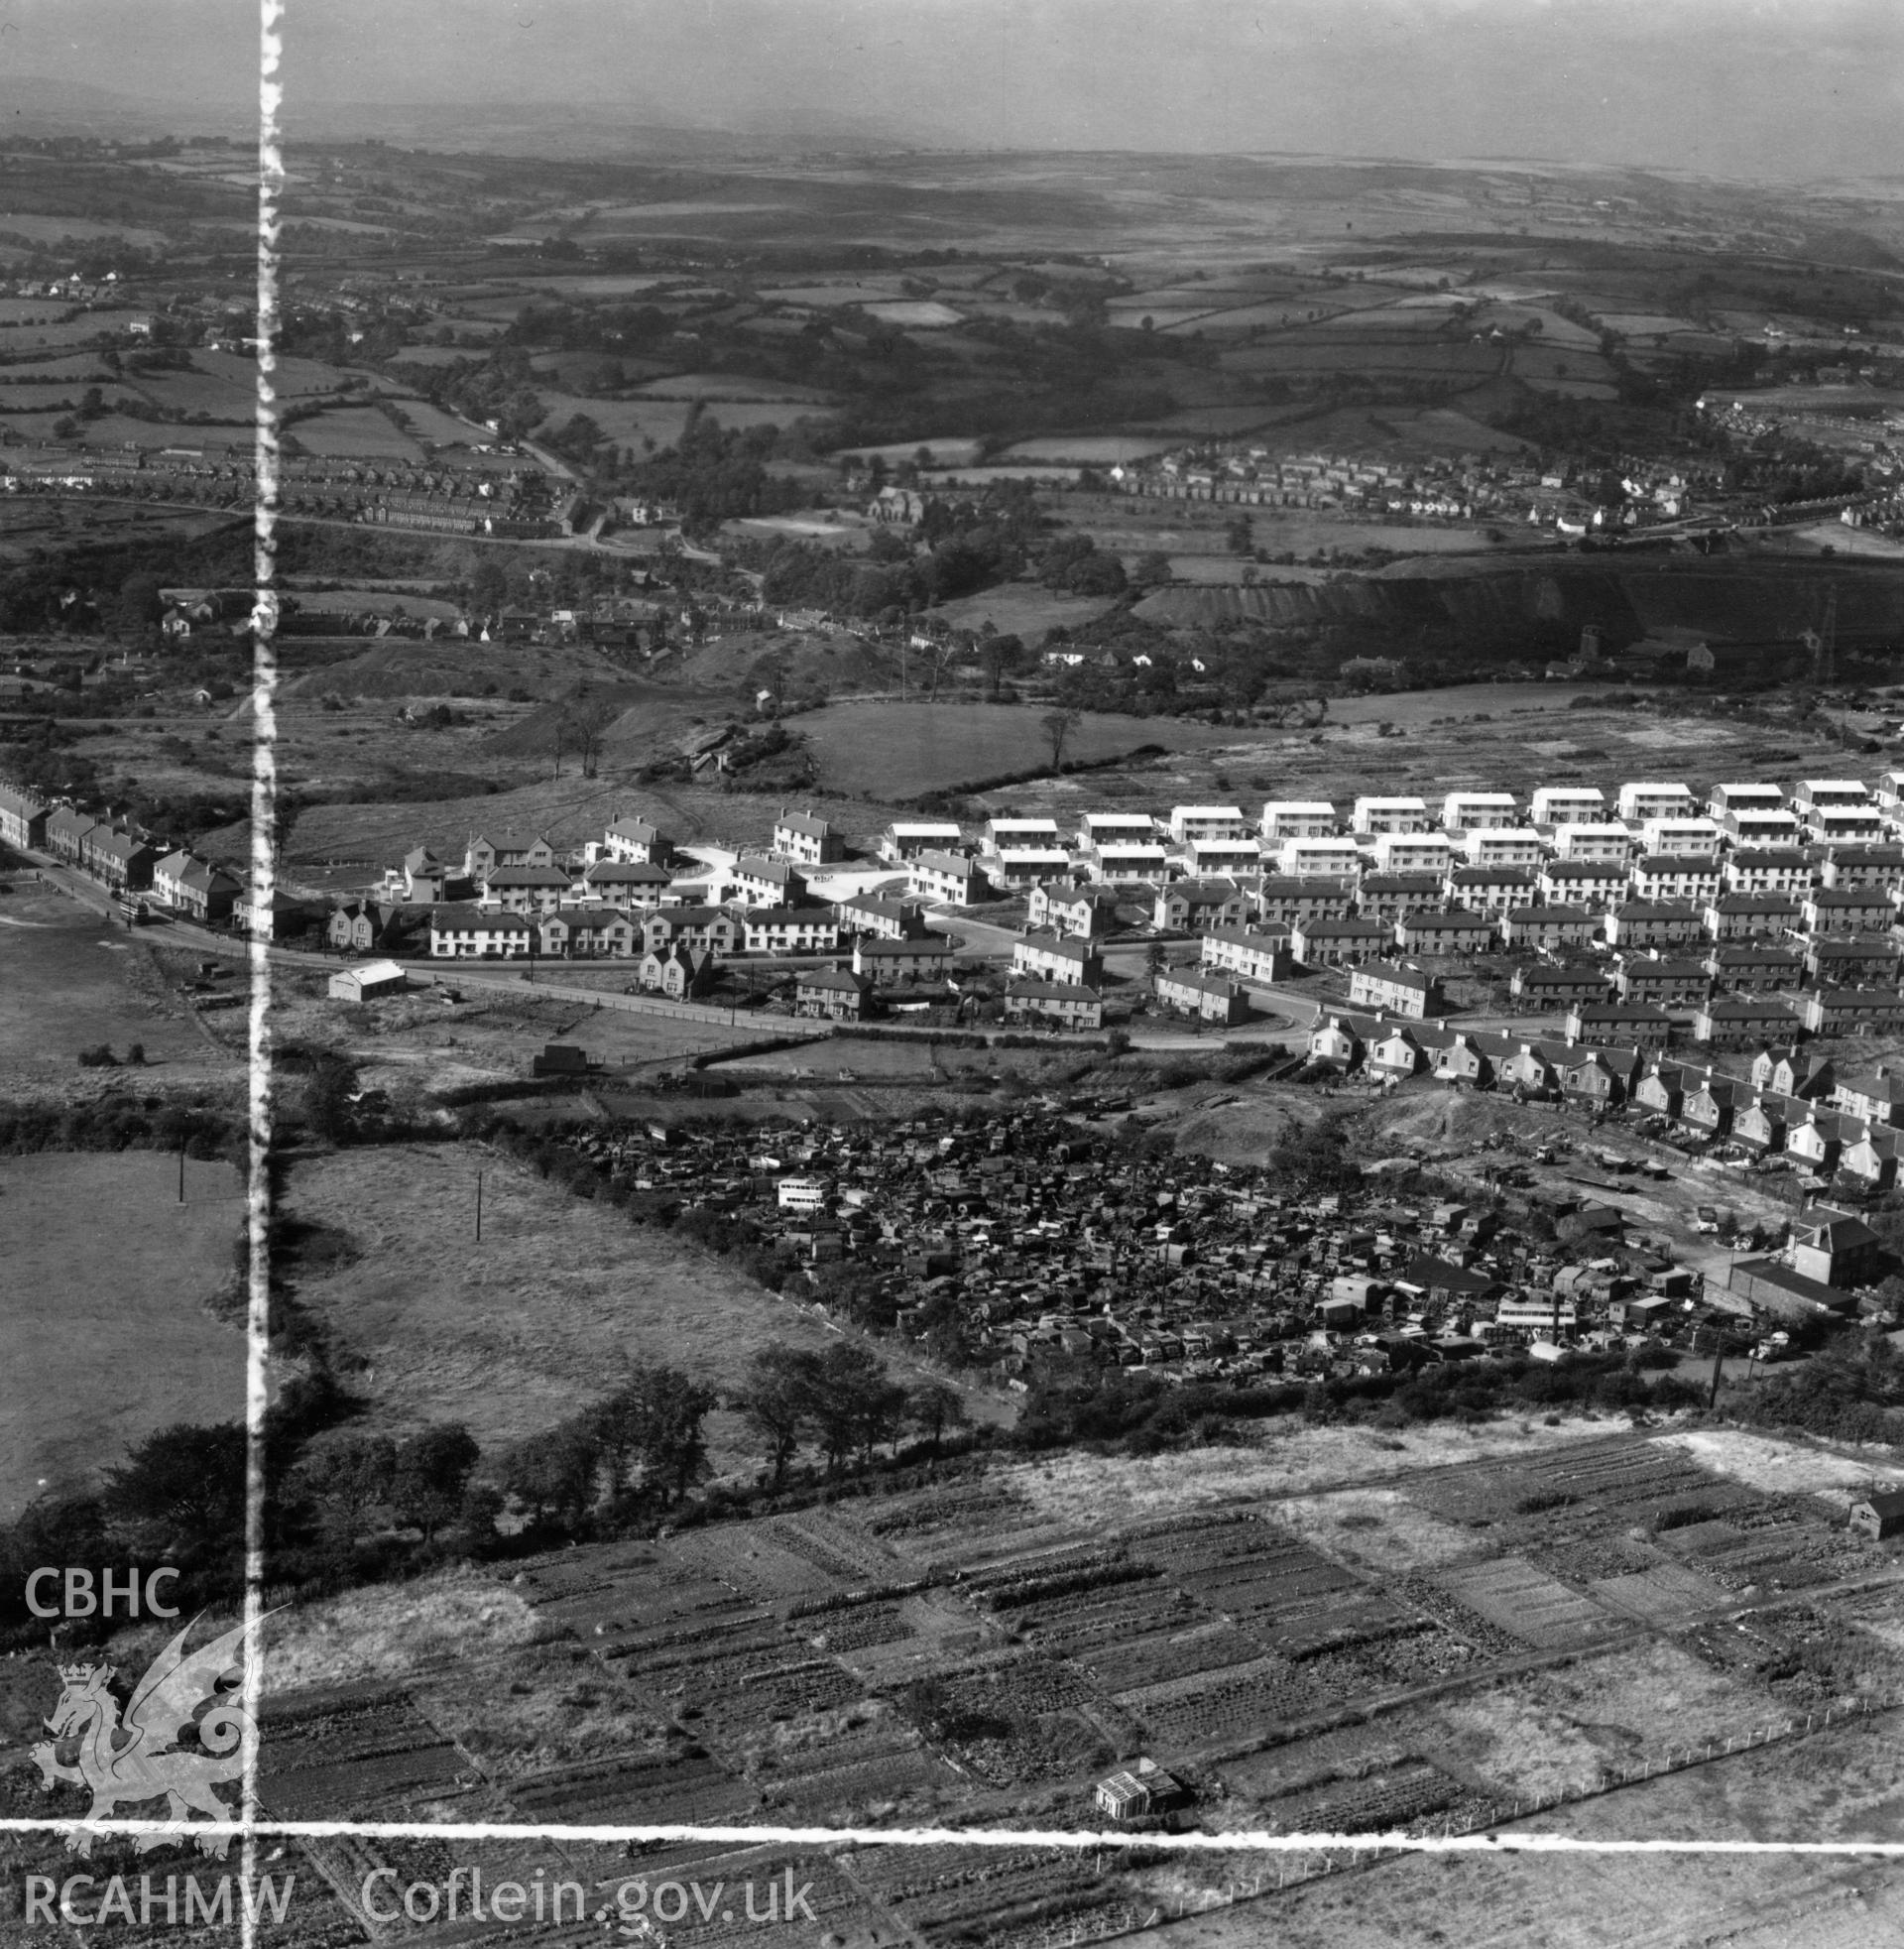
1746	88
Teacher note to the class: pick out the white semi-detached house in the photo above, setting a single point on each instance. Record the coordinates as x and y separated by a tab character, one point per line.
1297	818
694	927
1096	829
1845	825
1889	792
635	840
1390	816
1013	869
1747	916
1464	810
1193	822
1768	870
1811	794
1491	890
1056	957
762	882
1393	987
1595	884
1083	913
1116	862
1685	879
1249	956
790	930
946	880
907	839
1848	910
1863	866
527	888
1723	801
1569	805
1503	845
466	933
1610	841
1749	826
1650	798
620	883
1023	836
1688	836
1335	859
1413	852
1205	855
484	853
807	840
587	934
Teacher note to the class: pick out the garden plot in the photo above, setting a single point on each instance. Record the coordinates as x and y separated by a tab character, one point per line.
1235	1704
950	1891
1413	1653
1667	1594
634	1788
1387	1800
1153	1660
1090	1623
345	1750
853	1775
729	1703
1533	1607
754	1560
1376	1530
1780	1544
1267	1575
837	1549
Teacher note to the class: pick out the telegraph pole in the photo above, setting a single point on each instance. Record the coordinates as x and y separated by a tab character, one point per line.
479	1208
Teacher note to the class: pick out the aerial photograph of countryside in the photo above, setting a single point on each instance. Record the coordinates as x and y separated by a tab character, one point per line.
951	974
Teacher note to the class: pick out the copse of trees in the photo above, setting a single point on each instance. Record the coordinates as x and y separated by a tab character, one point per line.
843	1401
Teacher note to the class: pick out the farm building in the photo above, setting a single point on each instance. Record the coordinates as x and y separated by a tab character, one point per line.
1877	1516
1788	1296
1138	1790
363	984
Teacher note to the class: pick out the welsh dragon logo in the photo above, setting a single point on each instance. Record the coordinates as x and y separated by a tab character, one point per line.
137	1757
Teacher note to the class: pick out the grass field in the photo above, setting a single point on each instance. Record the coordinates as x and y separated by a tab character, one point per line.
73	980
894	751
524	1328
355	430
106	1334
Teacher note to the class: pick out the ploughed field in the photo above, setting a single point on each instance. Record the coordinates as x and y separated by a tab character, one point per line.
1591	1615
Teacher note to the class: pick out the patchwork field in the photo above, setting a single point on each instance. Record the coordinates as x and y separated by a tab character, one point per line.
107	1335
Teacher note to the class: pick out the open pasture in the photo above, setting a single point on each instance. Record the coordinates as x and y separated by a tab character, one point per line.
108	1336
354	431
726	386
894	751
74	980
520	1330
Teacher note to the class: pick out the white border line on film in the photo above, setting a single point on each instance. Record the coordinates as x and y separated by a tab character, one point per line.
263	883
1243	1841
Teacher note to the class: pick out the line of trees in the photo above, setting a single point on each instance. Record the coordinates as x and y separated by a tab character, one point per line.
843	1401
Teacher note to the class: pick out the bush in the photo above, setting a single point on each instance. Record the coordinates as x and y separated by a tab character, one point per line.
99	1057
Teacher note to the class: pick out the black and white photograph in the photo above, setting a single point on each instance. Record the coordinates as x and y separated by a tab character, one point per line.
951	974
